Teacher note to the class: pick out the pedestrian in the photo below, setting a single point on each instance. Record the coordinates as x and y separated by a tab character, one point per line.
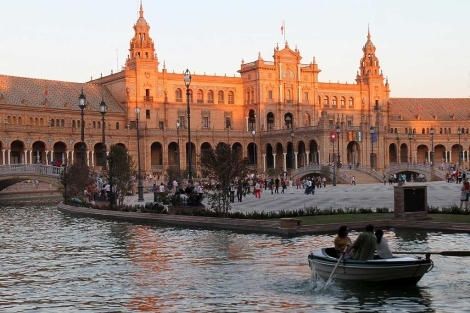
257	190
353	180
239	191
324	182
276	185
464	195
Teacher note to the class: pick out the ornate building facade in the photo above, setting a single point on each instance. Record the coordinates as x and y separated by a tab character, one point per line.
277	113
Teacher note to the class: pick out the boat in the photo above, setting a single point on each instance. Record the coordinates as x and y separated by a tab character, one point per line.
402	270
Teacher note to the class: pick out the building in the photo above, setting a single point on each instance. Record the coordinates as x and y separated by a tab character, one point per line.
277	113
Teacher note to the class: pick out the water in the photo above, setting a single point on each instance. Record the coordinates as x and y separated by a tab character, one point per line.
50	262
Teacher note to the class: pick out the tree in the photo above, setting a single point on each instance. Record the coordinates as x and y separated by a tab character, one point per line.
75	178
223	164
120	171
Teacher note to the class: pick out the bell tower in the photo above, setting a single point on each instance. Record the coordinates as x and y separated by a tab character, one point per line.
369	67
141	69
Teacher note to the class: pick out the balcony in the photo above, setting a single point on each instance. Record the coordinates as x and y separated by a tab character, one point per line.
148	98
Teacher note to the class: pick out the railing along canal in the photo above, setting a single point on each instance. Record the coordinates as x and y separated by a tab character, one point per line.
31	169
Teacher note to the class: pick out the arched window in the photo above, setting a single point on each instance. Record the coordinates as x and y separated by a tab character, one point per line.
178	95
288	120
423	131
251	120
200	96
210	97
231	97
220	97
334	102
326	101
343	102
351	102
270	121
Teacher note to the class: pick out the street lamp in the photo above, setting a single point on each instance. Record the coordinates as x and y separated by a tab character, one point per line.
338	131
410	137
372	156
333	138
293	159
82	105
178	150
253	132
140	187
103	110
187	82
431	131
459	132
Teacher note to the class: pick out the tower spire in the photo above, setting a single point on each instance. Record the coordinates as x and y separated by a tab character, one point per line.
368	32
141	11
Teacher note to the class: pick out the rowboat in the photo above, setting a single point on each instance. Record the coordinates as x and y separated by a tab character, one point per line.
404	270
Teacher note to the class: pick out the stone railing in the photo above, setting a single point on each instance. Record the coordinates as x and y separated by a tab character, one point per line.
31	169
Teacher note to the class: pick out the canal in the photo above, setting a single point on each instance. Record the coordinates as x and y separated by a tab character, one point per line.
51	262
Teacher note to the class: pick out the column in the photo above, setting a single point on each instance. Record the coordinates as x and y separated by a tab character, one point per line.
429	156
72	156
87	154
9	156
92	159
31	157
274	160
295	160
264	162
3	156
25	161
307	159
47	157
318	157
285	161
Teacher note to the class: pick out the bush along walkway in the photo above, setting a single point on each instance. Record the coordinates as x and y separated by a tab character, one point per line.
283	227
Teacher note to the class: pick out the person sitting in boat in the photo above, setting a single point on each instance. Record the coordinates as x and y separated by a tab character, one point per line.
364	246
342	241
383	250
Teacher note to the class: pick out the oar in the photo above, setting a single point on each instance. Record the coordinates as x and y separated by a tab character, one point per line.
445	253
333	271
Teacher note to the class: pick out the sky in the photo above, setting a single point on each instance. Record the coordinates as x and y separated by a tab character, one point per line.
423	45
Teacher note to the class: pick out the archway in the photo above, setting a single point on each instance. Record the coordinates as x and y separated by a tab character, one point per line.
251	120
205	148
439	154
456	150
354	153
156	156
80	152
288	120
17	152
39	153
252	153
238	149
392	153
60	153
422	154
290	156
403	153
173	156
279	156
269	156
100	154
301	154
270	121
314	153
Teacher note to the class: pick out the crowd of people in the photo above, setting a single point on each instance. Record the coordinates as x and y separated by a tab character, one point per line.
367	246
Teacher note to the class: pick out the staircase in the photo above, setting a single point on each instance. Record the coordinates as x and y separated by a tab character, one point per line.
362	177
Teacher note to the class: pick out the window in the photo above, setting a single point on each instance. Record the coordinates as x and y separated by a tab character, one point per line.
178	95
117	125
94	124
231	97
351	102
252	96
305	97
288	120
200	96
210	97
270	121
228	123
251	120
73	124
343	102
270	95
161	125
326	101
147	114
205	122
334	102
62	123
182	119
220	97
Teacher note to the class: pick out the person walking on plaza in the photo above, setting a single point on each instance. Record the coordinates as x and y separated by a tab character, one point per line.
364	246
353	180
240	191
324	182
257	190
276	185
464	195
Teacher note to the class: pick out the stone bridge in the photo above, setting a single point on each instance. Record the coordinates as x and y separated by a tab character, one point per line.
311	169
15	173
429	172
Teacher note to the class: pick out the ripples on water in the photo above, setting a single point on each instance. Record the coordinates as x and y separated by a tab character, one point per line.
56	263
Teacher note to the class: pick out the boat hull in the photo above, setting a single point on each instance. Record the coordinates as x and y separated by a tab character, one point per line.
401	270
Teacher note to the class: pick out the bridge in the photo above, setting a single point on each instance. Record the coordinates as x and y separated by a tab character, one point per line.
15	173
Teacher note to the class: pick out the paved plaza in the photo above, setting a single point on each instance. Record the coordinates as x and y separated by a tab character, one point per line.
440	194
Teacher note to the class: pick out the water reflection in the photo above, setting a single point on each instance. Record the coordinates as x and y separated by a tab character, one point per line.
94	265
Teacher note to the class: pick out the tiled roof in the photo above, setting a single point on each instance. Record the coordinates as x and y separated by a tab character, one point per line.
430	108
33	92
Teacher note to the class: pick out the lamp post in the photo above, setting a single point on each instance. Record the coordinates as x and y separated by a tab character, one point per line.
187	83
372	156
431	131
338	131
140	187
82	105
253	132
459	132
333	138
410	137
103	110
178	150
